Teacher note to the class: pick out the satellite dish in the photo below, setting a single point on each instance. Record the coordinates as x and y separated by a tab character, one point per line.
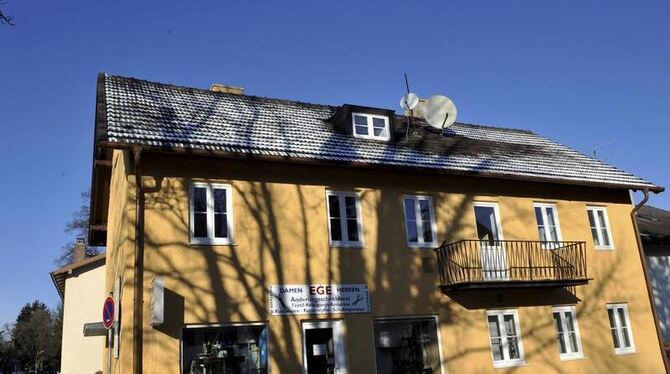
439	111
409	101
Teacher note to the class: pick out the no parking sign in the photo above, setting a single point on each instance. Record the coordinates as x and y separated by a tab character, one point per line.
108	313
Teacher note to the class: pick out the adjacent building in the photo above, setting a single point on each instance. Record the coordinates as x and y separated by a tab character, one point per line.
81	286
248	234
654	225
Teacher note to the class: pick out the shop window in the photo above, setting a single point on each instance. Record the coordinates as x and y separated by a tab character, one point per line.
407	346
240	349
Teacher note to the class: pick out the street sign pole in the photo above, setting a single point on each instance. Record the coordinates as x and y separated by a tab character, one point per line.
108	315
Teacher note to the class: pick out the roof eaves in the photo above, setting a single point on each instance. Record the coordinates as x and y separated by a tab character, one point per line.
269	156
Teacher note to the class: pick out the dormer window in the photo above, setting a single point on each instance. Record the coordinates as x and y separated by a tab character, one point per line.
370	126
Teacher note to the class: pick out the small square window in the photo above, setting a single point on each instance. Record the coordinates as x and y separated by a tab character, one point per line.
370	126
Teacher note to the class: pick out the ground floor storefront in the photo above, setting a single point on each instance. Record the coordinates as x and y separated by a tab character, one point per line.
401	345
345	329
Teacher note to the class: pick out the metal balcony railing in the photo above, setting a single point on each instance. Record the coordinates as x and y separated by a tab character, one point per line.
516	263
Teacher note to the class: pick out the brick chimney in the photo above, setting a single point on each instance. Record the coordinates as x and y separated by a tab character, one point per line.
218	87
79	250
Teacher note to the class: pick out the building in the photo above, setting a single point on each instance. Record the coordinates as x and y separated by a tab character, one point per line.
654	227
274	235
81	286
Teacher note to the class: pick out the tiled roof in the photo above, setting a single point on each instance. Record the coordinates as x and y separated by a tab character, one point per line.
58	276
168	116
654	223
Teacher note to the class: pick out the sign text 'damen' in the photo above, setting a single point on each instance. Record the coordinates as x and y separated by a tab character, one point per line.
288	299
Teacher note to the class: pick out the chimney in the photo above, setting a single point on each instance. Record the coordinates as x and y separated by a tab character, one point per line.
79	250
218	87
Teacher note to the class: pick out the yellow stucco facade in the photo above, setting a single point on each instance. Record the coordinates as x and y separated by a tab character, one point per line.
281	237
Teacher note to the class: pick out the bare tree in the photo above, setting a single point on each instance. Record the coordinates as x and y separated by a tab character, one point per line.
78	228
5	19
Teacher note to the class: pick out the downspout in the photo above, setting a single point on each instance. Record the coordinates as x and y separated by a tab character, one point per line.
647	279
138	278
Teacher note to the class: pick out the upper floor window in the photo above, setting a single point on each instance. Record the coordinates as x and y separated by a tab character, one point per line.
419	221
505	336
600	228
211	214
344	219
567	331
620	327
547	222
487	219
371	126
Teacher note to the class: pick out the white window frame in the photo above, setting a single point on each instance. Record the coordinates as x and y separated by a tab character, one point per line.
593	210
406	318
543	208
619	329
209	188
420	243
371	126
345	242
496	212
339	338
561	310
506	362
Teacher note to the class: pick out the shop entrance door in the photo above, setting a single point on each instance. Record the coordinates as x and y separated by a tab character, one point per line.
323	347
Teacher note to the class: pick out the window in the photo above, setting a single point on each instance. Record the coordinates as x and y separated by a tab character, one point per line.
371	126
211	218
506	345
600	228
225	349
567	332
419	221
344	219
487	220
407	346
547	223
620	328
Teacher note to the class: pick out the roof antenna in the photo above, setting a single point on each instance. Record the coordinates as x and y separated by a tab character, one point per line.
408	102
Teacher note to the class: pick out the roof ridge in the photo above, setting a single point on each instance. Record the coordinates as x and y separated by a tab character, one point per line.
218	93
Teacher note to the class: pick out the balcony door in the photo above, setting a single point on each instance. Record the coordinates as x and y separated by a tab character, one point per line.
492	250
323	347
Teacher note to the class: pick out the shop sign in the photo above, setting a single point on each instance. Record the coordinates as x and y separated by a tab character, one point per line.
288	299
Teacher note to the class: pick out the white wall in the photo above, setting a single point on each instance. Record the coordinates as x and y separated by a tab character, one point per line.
84	296
659	270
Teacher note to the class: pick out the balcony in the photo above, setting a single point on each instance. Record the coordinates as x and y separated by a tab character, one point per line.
491	264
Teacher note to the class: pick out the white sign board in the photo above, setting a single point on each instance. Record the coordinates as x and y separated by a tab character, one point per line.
288	299
157	302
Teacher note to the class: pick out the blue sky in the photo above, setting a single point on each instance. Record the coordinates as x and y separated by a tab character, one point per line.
592	75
